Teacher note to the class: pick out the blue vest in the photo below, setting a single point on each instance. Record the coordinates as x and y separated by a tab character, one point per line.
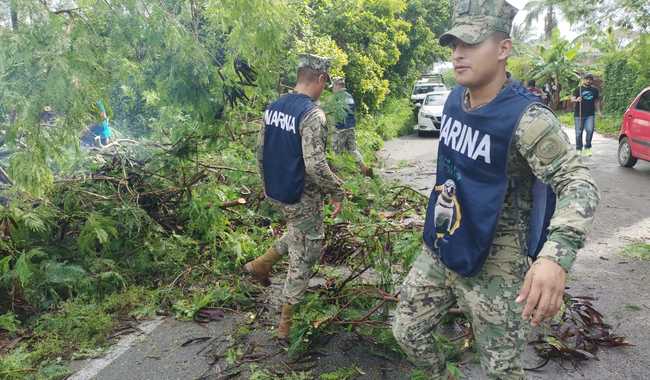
106	129
283	164
350	120
472	181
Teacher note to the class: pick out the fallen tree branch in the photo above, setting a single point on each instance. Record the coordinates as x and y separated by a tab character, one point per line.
236	202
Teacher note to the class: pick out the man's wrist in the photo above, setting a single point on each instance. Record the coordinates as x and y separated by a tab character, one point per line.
552	252
550	259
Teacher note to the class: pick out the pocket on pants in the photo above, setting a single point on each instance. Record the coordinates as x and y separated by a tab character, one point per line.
313	246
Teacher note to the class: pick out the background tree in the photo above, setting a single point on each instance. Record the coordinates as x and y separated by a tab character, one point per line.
558	65
428	19
547	10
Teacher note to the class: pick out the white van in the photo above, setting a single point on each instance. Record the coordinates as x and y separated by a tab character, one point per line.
428	83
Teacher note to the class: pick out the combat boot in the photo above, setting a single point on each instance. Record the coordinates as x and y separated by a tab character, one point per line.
285	321
261	267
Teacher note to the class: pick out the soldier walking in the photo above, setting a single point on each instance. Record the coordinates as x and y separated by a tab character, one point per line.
503	162
344	139
291	157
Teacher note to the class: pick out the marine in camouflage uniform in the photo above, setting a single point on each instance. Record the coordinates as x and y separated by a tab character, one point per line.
305	233
541	149
344	138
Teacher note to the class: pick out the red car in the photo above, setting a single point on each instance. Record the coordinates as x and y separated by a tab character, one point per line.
634	138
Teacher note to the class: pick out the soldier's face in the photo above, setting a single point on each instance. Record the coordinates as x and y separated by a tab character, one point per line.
479	64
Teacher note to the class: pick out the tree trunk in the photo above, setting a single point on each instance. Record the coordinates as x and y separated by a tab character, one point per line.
556	93
549	22
14	15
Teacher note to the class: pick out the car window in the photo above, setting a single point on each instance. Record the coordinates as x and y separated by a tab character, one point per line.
425	89
644	102
435	100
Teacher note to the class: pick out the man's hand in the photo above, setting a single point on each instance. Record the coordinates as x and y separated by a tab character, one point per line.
543	291
337	207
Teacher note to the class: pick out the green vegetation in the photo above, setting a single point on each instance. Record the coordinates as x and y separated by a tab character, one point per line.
639	251
348	373
615	49
162	221
608	125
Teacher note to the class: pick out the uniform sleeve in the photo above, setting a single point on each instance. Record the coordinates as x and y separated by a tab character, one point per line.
259	152
540	140
314	138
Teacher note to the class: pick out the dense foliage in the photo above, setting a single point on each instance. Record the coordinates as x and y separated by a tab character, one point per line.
160	221
626	73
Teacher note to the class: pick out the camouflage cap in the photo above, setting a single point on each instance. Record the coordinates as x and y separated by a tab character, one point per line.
338	80
475	20
314	62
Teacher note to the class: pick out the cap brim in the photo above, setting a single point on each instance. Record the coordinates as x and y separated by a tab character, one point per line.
461	32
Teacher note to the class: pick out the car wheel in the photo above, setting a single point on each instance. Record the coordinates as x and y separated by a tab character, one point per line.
625	157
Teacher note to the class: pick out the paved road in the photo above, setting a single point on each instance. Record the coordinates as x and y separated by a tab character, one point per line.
620	284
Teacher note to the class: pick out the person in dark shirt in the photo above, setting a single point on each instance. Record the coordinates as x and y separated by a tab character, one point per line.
536	91
587	102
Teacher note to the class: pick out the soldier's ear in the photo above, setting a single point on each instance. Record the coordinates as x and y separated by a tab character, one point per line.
505	49
326	79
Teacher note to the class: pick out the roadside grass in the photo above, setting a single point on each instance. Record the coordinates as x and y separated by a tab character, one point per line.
607	125
396	119
640	251
78	328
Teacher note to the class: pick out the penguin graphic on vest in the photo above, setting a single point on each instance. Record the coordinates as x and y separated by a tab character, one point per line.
447	213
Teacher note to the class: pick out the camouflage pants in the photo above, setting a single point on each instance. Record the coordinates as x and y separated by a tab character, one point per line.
344	140
302	243
488	299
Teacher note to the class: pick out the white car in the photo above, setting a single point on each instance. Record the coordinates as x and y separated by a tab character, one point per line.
431	113
422	88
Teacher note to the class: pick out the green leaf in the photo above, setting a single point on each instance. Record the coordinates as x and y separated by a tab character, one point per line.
24	269
9	322
5	265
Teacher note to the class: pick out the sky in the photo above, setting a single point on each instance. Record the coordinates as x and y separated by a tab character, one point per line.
565	28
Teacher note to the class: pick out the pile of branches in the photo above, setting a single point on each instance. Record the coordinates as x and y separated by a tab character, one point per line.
343	243
577	335
153	183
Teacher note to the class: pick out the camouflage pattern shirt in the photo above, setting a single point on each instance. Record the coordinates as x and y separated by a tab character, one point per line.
319	178
541	149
